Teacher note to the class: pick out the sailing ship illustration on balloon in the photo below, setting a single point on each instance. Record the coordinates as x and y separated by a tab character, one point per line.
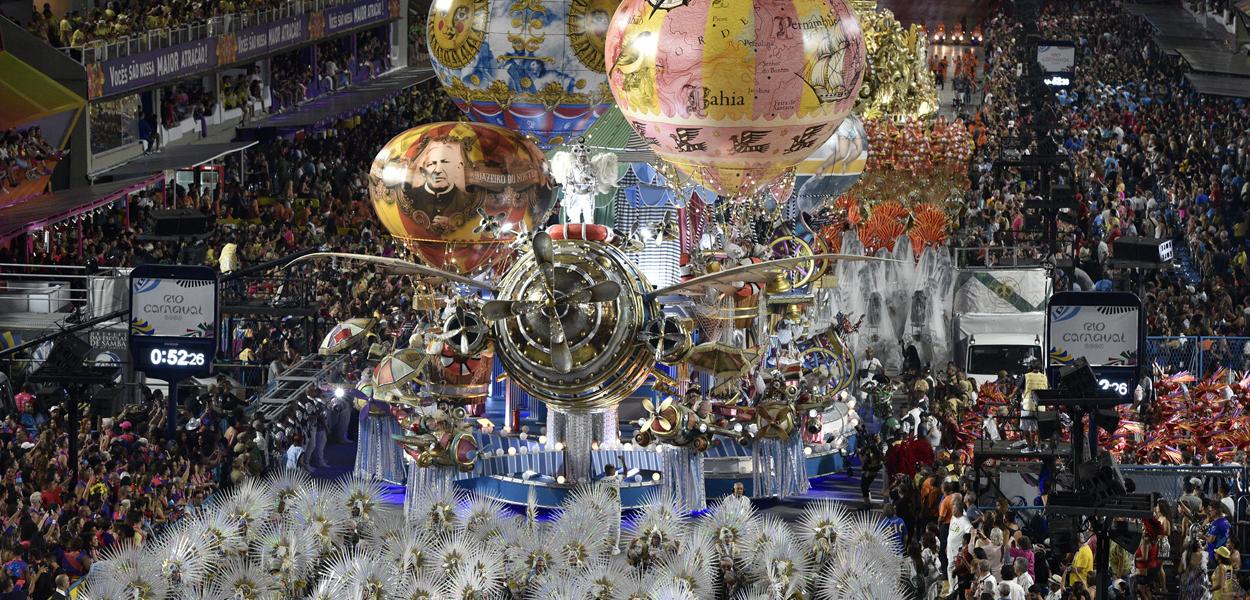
831	78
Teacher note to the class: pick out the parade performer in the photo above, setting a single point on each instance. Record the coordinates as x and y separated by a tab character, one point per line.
311	413
871	460
378	456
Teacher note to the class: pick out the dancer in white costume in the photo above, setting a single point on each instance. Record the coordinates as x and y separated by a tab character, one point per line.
583	177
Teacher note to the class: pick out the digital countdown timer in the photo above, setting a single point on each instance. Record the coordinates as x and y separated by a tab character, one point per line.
173	359
1121	381
1120	388
173	320
177	357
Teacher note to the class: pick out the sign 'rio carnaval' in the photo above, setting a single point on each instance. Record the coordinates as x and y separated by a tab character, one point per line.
734	92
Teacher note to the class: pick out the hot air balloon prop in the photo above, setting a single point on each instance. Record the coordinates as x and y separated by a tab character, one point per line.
457	194
735	93
535	67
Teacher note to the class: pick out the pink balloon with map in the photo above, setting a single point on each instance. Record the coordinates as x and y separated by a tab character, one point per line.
735	92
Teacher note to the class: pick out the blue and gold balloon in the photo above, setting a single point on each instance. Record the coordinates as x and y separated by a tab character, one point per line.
533	66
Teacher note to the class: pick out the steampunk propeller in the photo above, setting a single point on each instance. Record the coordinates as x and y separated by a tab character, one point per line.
557	305
660	420
668	338
465	331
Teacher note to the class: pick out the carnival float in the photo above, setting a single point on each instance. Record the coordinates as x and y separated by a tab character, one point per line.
702	331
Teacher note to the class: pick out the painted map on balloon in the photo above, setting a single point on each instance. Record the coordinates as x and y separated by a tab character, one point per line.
533	66
735	92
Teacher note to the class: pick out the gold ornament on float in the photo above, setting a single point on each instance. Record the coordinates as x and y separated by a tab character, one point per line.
898	82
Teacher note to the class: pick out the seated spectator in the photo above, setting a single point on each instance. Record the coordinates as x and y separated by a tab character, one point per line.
24	156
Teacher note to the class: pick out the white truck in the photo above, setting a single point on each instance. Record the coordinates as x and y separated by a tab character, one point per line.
999	320
988	343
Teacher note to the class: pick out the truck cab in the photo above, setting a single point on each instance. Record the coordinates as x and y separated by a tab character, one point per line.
989	343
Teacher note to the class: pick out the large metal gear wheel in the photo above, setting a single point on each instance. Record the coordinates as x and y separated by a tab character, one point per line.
790	246
560	345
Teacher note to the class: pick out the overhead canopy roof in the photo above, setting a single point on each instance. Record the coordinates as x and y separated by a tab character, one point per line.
172	158
1219	85
27	95
1171	20
341	104
58	206
1172	44
1215	60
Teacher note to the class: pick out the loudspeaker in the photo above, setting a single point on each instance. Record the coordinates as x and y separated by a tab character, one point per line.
1142	249
180	222
1127	535
105	400
1064	533
1047	424
1107	419
67	355
1077	377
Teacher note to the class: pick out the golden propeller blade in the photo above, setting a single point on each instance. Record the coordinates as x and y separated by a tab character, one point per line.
666	404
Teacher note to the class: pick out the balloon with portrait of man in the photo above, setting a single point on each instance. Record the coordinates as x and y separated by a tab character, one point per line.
434	187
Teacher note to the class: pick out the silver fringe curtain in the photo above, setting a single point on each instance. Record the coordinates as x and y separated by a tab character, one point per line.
681	476
779	468
579	433
377	454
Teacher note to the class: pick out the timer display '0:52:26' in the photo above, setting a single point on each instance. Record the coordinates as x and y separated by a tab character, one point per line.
176	357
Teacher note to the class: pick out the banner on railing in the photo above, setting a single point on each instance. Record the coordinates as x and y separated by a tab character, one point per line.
130	73
254	42
342	18
136	71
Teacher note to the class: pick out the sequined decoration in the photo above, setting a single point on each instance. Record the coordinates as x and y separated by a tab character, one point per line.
609	430
377	454
579	433
555	427
778	468
681	476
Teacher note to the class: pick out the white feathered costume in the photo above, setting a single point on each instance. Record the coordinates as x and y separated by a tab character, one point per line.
583	177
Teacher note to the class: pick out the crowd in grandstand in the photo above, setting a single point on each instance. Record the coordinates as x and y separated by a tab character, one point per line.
1150	157
118	19
291	77
337	65
132	477
57	518
24	155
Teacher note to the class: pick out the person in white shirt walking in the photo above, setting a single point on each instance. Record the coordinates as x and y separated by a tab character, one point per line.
960	526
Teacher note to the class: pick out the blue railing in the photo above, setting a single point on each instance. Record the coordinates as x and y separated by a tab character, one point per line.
1199	355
